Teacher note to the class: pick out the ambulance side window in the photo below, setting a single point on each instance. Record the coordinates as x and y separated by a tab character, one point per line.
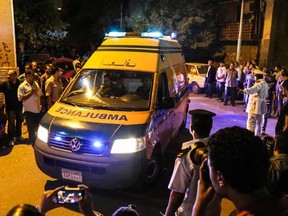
163	91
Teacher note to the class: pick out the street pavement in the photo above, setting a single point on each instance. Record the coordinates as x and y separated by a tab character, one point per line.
22	182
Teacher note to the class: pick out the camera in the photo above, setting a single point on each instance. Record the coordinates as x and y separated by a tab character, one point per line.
198	154
269	142
69	195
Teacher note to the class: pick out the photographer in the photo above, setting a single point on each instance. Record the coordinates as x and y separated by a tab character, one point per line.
49	202
183	182
238	166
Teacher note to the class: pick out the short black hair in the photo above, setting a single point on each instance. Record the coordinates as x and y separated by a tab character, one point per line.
202	121
54	69
24	210
125	211
241	157
29	72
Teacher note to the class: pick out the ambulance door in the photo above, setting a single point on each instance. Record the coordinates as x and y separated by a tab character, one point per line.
164	112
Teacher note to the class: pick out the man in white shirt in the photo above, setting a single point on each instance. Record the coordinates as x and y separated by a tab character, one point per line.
220	77
30	94
183	182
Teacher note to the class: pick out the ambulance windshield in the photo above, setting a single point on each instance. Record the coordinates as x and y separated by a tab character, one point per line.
110	89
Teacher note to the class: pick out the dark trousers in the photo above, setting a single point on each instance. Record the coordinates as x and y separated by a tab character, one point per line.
210	89
33	120
230	91
266	116
15	119
220	86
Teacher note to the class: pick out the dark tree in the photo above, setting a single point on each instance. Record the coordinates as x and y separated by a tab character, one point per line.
89	21
193	21
38	23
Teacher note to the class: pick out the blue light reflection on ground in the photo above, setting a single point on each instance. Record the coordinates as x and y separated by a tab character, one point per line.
226	116
228	120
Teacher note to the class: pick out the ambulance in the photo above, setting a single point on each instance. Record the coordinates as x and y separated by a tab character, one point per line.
114	121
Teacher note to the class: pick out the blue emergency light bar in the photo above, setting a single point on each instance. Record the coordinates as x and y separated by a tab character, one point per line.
152	34
127	34
116	34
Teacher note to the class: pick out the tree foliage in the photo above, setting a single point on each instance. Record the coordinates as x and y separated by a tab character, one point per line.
38	24
89	21
193	21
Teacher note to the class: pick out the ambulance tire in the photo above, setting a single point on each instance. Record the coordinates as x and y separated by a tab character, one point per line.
149	172
153	168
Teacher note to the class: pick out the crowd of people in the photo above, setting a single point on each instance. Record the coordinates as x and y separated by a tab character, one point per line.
232	163
259	90
29	96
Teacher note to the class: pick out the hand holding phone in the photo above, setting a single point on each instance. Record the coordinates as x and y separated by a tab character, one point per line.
69	195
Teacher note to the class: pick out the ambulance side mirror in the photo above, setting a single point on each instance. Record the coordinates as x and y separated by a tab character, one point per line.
166	103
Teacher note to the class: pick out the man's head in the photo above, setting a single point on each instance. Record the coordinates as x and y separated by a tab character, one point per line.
277	68
29	75
47	69
252	66
232	65
237	161
12	75
126	211
210	62
55	71
34	65
259	74
107	80
201	122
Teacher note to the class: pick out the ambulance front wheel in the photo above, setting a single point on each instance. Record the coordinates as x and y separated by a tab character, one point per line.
153	167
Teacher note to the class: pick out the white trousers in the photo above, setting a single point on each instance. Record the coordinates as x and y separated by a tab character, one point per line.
254	123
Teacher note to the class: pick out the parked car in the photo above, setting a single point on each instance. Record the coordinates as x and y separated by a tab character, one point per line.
196	76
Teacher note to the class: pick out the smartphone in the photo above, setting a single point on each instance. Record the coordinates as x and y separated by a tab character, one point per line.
69	196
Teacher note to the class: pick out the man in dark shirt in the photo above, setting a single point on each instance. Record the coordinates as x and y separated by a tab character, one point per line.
282	122
210	80
13	106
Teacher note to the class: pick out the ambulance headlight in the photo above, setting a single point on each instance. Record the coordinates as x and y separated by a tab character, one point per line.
42	134
130	145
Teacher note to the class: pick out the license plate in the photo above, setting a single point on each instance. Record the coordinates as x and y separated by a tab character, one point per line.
72	175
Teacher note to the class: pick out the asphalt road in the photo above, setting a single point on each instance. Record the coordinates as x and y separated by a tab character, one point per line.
22	182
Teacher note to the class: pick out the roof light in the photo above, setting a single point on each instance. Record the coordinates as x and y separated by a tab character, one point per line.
116	34
173	35
152	34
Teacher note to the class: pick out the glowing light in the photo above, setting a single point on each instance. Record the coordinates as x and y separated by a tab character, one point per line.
58	138
152	34
130	145
42	134
97	144
116	34
173	35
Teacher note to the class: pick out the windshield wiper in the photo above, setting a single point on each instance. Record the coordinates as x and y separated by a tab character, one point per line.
68	102
75	92
111	108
